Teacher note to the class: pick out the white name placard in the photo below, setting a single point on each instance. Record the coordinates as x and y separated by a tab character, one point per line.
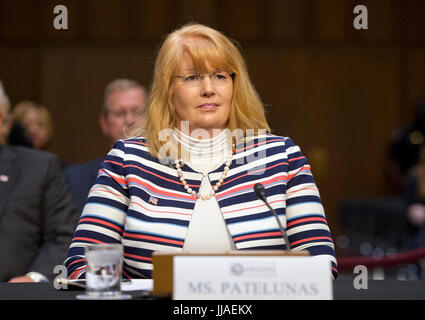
251	278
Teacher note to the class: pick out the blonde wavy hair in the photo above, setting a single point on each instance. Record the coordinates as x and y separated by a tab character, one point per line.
206	46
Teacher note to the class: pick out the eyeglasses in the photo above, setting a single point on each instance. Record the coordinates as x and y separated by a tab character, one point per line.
219	78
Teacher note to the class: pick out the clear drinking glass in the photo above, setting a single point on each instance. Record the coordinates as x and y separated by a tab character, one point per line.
104	269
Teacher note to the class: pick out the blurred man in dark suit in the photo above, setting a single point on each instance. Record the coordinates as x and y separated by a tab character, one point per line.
123	101
37	214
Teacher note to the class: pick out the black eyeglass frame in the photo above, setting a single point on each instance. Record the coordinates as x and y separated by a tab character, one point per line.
203	75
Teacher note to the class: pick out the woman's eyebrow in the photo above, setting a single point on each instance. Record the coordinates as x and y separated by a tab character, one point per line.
197	71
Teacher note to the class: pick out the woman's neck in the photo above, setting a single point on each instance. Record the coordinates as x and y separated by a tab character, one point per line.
198	133
200	145
204	154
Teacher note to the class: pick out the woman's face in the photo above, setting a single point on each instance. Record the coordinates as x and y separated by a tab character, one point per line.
205	104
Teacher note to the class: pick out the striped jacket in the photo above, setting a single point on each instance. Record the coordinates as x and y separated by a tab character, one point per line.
140	202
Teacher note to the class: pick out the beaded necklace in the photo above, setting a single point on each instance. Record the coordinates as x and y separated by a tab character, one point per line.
189	142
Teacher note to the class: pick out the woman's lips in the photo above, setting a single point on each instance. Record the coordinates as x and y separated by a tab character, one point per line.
208	106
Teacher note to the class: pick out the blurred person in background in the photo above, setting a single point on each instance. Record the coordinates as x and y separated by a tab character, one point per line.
36	122
414	195
37	214
404	147
124	100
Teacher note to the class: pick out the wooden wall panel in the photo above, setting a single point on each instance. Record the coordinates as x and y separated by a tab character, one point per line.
280	86
108	19
285	20
416	21
205	12
157	18
16	19
17	72
329	19
243	19
416	76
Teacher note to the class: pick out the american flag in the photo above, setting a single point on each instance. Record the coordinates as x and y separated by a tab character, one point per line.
153	200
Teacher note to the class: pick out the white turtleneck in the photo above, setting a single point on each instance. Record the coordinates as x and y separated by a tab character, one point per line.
207	230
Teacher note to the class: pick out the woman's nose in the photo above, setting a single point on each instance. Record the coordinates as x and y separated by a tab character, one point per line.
207	87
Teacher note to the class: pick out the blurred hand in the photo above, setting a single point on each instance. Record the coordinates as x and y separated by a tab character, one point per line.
416	214
21	279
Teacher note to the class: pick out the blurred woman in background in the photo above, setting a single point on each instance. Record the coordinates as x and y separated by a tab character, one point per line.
36	122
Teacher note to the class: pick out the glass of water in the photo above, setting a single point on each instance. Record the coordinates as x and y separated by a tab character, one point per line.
104	269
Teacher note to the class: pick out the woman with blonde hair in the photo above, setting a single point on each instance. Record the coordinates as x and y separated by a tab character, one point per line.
184	182
36	122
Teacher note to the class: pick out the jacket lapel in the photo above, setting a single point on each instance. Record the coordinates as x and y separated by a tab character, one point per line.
9	167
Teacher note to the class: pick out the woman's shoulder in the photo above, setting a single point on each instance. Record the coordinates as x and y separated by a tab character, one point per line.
270	140
131	142
132	145
138	139
275	144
